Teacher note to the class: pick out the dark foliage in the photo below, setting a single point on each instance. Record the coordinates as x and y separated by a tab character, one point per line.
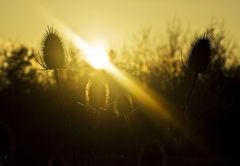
45	123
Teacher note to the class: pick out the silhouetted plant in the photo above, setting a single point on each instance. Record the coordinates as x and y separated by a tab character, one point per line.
217	97
124	105
176	38
53	55
200	54
199	59
17	69
97	95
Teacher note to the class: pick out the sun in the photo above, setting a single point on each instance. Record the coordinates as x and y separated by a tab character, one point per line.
96	55
98	58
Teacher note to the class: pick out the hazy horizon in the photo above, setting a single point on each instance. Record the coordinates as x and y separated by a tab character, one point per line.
112	21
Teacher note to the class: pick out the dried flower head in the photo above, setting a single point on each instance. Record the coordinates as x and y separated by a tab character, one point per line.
200	54
124	105
97	95
53	55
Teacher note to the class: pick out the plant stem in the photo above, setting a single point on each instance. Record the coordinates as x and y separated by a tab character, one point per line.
185	108
58	80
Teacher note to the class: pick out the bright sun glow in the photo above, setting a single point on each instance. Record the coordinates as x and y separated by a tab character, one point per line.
96	56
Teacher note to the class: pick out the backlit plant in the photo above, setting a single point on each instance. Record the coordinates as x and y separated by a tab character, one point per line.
53	55
198	60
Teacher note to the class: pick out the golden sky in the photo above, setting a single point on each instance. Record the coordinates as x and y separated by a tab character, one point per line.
113	20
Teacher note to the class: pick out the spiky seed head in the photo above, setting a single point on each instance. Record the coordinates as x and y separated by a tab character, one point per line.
124	105
53	52
200	54
97	93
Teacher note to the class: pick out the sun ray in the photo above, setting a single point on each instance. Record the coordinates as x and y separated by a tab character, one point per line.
98	59
137	91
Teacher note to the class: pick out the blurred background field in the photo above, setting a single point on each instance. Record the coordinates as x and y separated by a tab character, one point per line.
77	125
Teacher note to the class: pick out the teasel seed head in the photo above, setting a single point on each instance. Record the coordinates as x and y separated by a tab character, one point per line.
200	54
53	54
97	95
124	105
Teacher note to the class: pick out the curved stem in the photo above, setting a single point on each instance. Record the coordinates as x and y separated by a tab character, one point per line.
185	108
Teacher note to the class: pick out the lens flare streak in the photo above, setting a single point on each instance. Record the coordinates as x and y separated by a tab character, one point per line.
139	92
100	60
95	56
